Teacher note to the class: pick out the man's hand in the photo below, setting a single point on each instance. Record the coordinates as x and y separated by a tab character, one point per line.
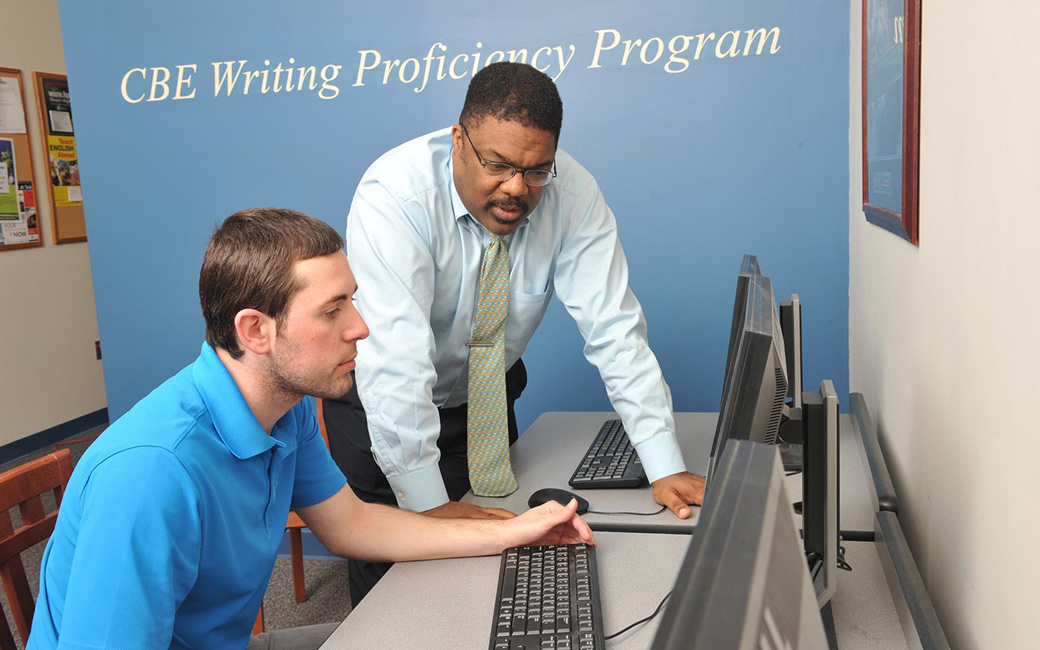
459	510
677	490
549	523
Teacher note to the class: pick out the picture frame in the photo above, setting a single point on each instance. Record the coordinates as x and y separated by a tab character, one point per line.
892	114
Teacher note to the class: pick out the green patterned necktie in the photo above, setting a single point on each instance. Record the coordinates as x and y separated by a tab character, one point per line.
487	428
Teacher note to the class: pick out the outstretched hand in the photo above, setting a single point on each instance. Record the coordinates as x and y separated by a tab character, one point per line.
549	523
678	492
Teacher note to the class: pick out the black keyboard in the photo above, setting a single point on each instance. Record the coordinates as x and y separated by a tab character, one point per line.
548	599
611	461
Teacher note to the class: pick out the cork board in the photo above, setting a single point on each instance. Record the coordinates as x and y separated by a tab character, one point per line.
19	220
59	141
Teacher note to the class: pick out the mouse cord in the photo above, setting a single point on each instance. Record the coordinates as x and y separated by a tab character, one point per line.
642	514
640	621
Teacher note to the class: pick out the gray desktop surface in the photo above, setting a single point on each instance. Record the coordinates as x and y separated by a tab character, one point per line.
448	604
549	450
865	615
547	453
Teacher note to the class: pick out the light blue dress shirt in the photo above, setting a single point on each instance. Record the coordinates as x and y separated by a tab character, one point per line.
171	522
416	254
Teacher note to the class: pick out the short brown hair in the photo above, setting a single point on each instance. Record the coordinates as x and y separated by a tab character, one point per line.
249	265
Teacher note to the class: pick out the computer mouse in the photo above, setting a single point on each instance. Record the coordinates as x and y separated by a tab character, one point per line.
562	497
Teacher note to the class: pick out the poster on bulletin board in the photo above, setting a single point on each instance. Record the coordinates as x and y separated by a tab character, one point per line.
66	196
19	223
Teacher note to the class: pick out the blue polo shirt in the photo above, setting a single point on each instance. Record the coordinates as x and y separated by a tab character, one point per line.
170	526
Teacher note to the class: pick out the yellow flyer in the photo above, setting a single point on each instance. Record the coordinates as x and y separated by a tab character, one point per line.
64	170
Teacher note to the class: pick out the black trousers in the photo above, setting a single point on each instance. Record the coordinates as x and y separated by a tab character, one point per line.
351	448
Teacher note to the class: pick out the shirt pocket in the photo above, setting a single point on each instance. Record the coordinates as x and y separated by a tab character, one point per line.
525	314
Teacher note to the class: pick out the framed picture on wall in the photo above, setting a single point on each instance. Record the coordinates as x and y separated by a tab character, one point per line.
891	114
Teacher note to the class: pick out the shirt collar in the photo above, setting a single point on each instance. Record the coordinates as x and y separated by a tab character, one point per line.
232	418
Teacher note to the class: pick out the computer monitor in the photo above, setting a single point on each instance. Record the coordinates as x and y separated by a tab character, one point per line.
744	582
753	393
748	269
820	488
791	326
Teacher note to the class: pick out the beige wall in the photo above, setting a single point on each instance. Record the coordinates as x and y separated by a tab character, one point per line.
48	324
943	338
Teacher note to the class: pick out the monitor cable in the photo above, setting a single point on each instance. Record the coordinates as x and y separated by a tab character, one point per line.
640	621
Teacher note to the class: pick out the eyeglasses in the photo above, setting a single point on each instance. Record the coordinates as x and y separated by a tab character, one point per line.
502	172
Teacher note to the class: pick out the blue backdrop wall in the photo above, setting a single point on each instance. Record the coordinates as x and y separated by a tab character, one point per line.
714	128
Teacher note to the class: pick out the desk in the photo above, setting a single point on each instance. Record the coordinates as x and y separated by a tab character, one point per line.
865	615
547	453
449	604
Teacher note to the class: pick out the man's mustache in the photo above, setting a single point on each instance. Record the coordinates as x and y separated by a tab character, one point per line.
515	203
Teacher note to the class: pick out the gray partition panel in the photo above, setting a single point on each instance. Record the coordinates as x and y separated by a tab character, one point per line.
883	495
919	620
448	604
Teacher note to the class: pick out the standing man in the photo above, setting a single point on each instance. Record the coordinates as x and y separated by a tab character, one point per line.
171	522
459	238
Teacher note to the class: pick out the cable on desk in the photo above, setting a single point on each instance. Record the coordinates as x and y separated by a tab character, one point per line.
842	563
640	621
642	514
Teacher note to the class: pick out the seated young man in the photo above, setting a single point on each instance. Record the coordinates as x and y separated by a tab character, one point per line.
170	525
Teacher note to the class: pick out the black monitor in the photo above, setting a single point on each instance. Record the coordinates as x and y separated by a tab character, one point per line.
820	488
753	392
744	582
791	326
748	269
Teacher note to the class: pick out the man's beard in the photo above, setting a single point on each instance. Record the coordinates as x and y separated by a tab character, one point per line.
284	379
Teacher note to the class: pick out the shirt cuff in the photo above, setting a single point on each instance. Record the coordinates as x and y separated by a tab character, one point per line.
419	490
660	456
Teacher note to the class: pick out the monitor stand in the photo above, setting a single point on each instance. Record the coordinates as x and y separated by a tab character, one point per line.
789	439
791	455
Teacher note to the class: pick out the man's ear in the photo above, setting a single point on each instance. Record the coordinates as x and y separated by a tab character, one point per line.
456	140
256	330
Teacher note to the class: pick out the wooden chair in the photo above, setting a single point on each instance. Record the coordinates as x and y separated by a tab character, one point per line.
258	626
295	527
23	487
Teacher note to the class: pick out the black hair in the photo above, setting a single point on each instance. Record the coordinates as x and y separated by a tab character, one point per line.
514	92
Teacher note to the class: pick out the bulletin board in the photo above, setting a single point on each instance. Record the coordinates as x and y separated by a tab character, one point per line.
59	141
19	221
